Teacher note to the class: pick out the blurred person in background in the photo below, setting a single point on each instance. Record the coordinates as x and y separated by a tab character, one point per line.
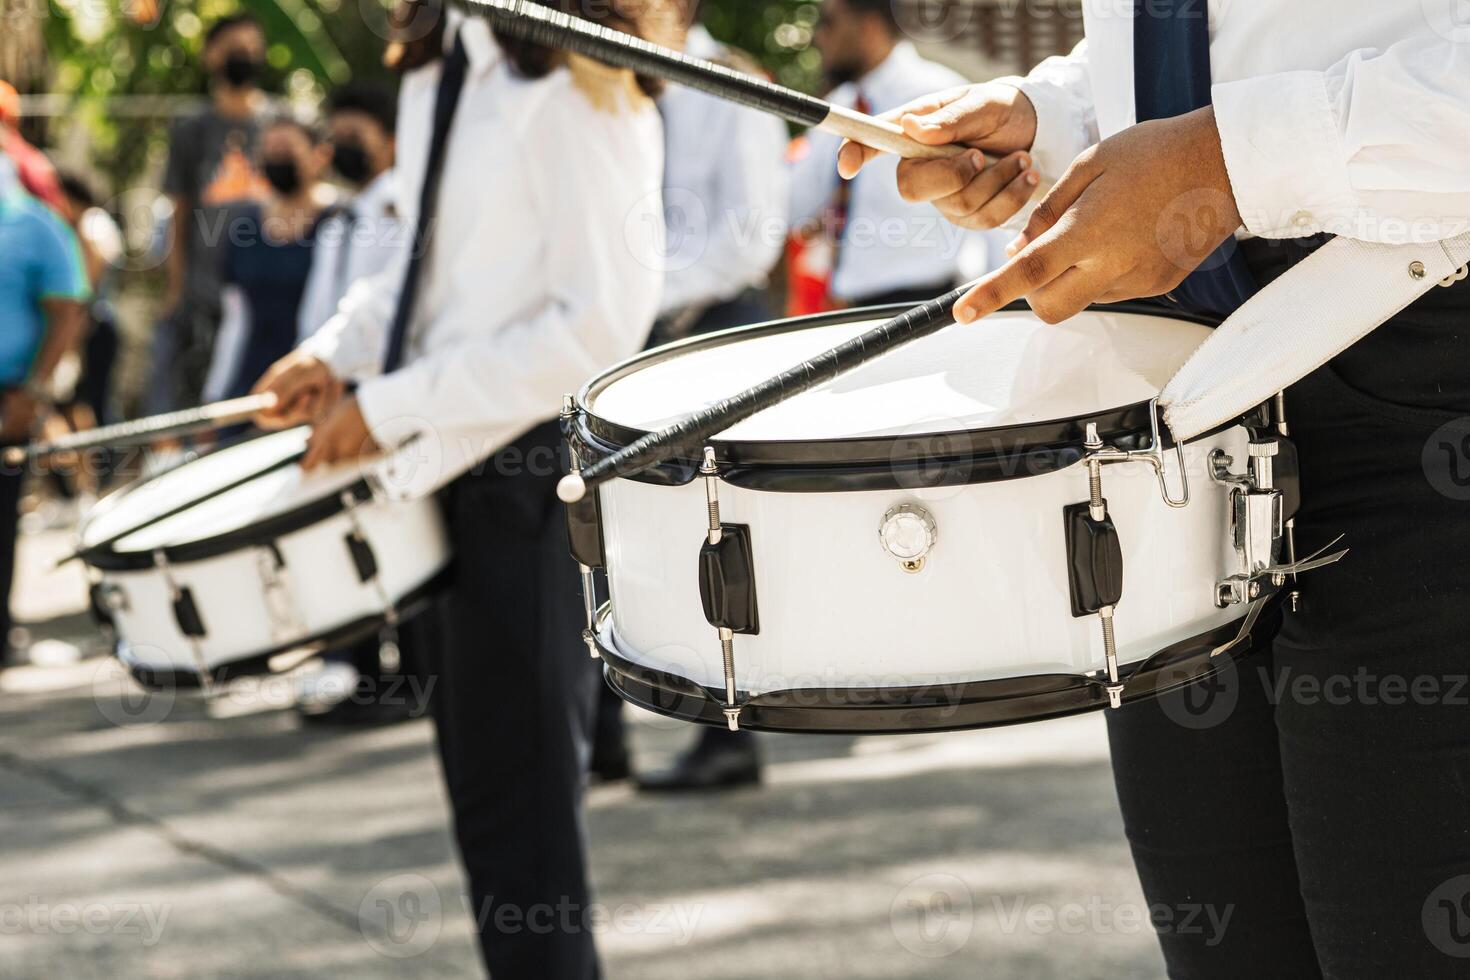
725	206
43	292
32	167
265	258
360	236
875	246
101	244
356	240
211	165
532	181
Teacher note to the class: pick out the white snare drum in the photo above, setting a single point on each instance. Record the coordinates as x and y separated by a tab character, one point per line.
212	568
916	546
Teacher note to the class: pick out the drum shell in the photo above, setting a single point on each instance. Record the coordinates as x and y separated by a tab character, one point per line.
991	601
319	588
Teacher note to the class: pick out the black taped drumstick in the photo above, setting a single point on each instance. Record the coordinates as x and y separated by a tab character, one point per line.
140	432
690	435
531	21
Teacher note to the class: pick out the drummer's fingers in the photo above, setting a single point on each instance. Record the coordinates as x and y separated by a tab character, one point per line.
852	157
994	196
1067	295
922	181
1033	268
1057	202
320	448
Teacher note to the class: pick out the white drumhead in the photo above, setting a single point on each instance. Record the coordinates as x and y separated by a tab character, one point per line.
271	494
1009	369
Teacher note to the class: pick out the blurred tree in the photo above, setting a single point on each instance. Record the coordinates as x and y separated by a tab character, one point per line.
107	61
777	32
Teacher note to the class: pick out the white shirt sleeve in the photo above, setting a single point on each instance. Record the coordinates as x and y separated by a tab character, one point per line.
1060	89
603	217
229	344
353	341
746	215
1376	148
318	301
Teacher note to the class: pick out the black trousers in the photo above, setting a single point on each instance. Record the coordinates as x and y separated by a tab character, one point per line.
1309	810
12	481
513	706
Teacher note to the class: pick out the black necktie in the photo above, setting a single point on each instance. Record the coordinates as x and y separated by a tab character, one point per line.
1171	77
446	101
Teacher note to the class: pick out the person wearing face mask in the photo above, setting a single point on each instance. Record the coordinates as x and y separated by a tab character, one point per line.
211	166
265	256
359	238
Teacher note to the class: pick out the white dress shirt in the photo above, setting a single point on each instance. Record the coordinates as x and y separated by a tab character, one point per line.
544	267
358	241
1344	116
889	243
725	191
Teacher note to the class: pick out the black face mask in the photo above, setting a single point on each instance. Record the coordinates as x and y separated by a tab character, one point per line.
283	176
240	70
351	161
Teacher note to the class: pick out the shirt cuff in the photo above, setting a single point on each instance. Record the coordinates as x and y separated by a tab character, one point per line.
328	346
1285	158
1061	125
391	405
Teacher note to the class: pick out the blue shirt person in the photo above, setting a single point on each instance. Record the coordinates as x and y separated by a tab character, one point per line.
42	288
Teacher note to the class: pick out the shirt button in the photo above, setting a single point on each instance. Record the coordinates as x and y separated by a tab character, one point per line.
1303	219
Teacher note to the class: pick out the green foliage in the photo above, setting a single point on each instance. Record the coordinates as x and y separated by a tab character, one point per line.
777	32
102	62
103	56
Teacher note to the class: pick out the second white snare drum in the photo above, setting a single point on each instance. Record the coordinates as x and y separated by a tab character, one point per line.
209	570
982	527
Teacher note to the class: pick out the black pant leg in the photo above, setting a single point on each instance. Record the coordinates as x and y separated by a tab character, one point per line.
513	708
1374	708
11	481
1199	780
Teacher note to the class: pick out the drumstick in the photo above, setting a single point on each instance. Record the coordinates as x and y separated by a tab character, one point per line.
530	21
690	435
143	431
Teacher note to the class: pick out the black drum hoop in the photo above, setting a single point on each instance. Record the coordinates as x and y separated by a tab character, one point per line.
896	462
937	708
105	557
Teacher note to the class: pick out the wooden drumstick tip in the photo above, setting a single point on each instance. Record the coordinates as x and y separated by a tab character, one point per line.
572	488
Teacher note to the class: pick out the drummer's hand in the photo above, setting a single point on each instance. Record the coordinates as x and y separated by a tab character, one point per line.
1132	217
305	390
343	435
978	190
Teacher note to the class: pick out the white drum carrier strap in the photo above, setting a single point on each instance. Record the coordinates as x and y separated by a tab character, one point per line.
1324	305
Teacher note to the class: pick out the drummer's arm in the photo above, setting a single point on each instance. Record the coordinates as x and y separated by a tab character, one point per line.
62	291
1288	155
605	270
